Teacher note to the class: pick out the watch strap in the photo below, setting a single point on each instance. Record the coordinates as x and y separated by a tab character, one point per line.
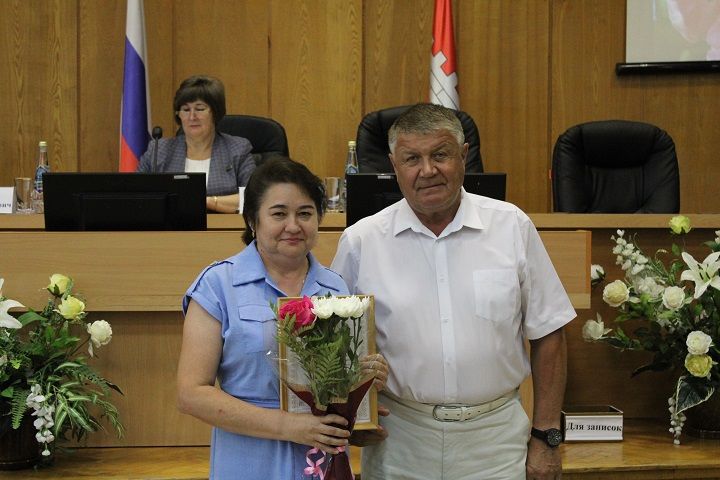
545	436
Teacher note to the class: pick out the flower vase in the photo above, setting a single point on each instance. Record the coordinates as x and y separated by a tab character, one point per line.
703	421
18	448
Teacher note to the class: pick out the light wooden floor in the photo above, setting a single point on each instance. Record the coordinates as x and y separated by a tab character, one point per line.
647	453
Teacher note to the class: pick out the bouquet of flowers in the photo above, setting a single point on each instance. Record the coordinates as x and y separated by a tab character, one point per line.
325	335
43	368
678	306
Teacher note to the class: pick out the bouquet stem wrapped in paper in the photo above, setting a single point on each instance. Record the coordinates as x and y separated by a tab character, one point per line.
324	336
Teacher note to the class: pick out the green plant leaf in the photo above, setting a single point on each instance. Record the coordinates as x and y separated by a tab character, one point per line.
690	392
29	317
18	406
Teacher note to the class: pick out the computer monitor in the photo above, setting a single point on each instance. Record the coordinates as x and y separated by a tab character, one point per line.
124	201
368	193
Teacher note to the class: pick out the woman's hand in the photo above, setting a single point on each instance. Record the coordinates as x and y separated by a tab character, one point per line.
318	432
377	366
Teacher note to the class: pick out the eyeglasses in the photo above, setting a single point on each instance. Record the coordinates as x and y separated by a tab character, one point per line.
200	110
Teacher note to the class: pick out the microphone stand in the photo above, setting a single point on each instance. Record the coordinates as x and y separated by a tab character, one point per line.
156	135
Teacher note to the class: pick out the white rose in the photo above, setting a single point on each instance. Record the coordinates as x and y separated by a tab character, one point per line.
698	342
59	284
648	286
616	293
322	307
100	333
71	307
679	224
698	365
594	330
673	298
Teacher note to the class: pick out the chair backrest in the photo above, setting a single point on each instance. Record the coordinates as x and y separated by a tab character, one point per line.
372	141
615	166
266	135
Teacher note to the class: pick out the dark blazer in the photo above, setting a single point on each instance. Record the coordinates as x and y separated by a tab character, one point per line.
230	167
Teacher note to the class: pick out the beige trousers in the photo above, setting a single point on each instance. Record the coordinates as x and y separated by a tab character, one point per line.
418	447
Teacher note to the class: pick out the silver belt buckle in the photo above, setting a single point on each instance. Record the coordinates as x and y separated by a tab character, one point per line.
447	407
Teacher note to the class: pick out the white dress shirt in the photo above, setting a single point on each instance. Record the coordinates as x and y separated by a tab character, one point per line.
451	311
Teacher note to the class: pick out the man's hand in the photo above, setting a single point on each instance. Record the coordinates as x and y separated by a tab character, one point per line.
377	366
363	438
543	462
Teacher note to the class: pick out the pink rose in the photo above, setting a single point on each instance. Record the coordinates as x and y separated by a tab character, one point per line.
302	309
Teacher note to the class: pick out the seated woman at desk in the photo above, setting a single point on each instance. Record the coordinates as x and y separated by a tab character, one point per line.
229	328
199	106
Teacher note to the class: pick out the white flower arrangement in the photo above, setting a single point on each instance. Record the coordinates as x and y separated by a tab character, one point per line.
680	327
43	369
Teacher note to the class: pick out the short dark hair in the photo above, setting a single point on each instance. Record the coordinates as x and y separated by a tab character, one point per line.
201	87
424	118
279	169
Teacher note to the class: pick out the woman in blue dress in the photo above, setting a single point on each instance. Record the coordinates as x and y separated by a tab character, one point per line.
230	328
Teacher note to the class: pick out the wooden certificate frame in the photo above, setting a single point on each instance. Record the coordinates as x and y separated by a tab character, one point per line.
367	414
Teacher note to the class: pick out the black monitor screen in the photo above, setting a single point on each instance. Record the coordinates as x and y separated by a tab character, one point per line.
124	201
368	193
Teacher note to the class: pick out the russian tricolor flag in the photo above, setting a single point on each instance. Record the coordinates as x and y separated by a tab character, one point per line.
135	115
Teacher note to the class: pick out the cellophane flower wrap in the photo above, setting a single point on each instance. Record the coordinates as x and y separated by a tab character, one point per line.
676	299
325	337
44	369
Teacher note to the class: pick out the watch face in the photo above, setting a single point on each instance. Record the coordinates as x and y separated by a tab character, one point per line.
554	437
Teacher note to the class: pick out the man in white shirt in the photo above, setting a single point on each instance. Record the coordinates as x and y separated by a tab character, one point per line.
459	281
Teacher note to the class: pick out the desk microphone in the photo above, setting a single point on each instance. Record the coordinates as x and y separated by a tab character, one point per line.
156	135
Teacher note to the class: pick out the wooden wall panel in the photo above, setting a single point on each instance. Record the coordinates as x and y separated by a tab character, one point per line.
397	41
229	40
503	63
528	70
160	28
587	42
101	52
38	88
316	78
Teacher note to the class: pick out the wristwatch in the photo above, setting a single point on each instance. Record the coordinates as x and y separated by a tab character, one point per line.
552	436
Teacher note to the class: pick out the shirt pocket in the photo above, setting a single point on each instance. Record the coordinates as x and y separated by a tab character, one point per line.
497	294
254	330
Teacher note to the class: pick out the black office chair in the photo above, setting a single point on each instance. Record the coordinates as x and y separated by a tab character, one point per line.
372	141
615	166
266	135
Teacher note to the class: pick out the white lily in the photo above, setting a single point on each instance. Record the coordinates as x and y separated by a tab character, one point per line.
7	320
703	274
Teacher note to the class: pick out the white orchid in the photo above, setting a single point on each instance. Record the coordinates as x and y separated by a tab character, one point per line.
703	274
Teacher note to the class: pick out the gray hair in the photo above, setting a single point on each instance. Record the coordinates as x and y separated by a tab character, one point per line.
425	118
